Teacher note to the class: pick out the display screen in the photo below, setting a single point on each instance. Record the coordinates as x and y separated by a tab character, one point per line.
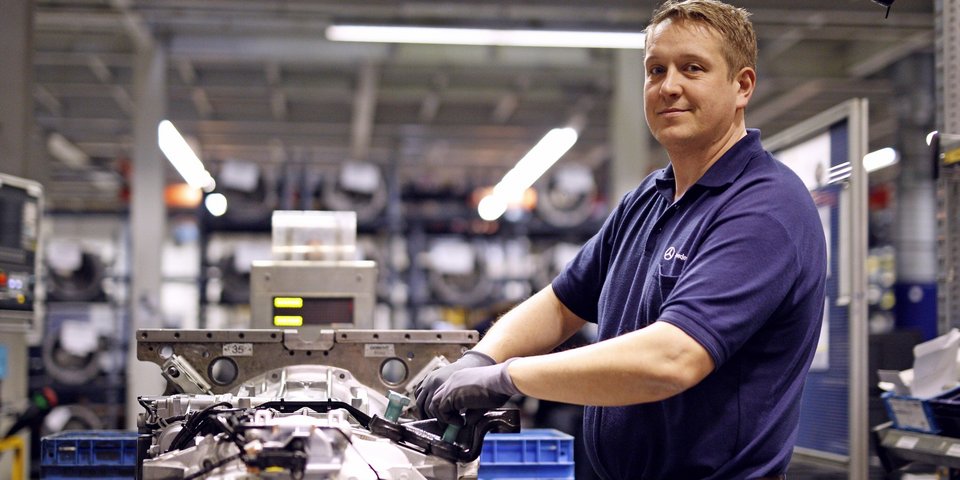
11	218
19	227
300	311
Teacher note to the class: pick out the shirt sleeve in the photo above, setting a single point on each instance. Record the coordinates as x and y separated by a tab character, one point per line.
759	261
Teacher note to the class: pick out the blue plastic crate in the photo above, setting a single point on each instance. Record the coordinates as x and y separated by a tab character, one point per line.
541	453
101	454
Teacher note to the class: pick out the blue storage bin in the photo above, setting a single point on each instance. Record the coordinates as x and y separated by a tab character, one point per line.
101	454
540	453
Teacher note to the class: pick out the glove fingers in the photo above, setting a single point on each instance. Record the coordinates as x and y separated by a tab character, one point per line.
446	408
423	401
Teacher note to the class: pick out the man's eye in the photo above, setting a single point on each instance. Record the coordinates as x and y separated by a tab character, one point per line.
655	70
694	68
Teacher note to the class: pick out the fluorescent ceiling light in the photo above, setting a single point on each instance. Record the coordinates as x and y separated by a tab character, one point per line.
522	176
183	157
216	204
485	36
872	162
878	159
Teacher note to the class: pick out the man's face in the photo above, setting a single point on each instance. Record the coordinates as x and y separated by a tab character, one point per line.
689	98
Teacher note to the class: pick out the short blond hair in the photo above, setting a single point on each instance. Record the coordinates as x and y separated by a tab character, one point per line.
739	40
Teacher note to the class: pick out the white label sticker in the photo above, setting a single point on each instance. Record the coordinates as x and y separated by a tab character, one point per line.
954	450
907	442
909	413
238	349
379	350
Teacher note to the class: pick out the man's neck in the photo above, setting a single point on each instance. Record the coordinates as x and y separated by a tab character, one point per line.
689	164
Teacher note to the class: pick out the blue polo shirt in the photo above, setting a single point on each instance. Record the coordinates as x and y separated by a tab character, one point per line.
739	264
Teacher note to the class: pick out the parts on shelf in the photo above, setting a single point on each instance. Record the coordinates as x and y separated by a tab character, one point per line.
568	196
458	273
551	261
252	192
74	273
234	281
357	187
75	416
232	256
81	342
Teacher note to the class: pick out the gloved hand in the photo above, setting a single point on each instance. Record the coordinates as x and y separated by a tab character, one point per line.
428	387
472	388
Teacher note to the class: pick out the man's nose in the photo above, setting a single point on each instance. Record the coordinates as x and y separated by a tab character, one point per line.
671	85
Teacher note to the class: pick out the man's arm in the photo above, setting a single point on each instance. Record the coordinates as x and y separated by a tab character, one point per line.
651	364
536	326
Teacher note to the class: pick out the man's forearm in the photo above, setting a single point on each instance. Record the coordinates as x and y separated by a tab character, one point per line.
534	327
647	365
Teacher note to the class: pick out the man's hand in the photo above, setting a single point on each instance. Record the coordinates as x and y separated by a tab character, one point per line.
428	387
472	388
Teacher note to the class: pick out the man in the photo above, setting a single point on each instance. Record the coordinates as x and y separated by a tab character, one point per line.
706	281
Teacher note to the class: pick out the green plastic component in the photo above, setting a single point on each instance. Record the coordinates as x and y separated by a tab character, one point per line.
450	434
395	405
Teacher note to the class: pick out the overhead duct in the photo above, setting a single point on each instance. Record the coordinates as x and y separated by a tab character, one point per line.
358	187
567	196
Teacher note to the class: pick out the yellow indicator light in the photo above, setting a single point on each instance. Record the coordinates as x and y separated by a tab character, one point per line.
287	302
21	299
288	320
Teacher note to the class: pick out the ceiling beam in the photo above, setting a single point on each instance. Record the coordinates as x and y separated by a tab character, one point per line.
431	101
278	104
186	70
99	68
123	99
364	108
890	55
201	102
47	99
133	24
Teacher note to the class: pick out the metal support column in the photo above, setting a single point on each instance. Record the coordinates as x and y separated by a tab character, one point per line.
16	99
147	218
630	137
858	419
948	124
16	126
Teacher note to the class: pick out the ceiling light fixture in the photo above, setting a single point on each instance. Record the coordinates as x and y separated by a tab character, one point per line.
872	162
216	204
534	164
485	36
878	159
183	158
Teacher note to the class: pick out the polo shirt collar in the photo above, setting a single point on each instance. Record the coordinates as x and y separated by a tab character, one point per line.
724	171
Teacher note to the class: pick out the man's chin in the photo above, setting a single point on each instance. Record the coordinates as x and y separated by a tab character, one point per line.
672	137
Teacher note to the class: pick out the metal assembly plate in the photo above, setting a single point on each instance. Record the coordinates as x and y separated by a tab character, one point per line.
383	360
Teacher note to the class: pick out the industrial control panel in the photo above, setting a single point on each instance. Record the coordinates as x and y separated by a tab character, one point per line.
20	212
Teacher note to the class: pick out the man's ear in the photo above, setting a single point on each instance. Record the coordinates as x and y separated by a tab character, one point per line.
746	82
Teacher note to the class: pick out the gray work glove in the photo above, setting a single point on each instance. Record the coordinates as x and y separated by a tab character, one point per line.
428	387
472	388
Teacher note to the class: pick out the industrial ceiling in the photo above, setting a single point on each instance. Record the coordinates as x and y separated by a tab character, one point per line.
256	80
